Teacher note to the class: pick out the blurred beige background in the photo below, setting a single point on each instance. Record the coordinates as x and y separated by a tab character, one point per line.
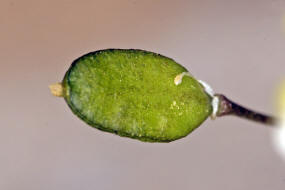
236	46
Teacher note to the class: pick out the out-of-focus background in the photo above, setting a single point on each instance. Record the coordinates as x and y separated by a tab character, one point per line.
236	46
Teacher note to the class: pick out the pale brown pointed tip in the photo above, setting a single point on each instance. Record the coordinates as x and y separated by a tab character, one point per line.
56	89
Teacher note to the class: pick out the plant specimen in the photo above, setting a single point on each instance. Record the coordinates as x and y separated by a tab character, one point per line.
142	95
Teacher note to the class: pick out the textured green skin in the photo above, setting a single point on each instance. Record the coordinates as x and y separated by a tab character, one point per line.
132	93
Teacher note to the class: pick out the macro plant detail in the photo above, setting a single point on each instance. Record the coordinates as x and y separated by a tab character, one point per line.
142	95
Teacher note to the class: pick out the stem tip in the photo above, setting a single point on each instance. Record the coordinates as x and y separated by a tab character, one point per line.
56	89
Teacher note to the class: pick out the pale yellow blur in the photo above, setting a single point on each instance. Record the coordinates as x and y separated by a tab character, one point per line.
279	133
283	24
280	103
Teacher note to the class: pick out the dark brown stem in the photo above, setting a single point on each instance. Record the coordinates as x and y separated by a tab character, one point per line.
228	107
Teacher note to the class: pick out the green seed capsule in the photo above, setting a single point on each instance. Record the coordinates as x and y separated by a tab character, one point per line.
136	94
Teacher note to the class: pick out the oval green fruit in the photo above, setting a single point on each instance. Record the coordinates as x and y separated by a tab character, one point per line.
132	93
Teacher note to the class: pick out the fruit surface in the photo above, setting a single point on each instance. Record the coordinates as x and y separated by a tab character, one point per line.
132	93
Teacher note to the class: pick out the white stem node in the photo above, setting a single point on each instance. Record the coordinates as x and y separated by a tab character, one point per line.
215	100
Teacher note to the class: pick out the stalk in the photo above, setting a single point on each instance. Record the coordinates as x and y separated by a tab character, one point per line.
228	107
